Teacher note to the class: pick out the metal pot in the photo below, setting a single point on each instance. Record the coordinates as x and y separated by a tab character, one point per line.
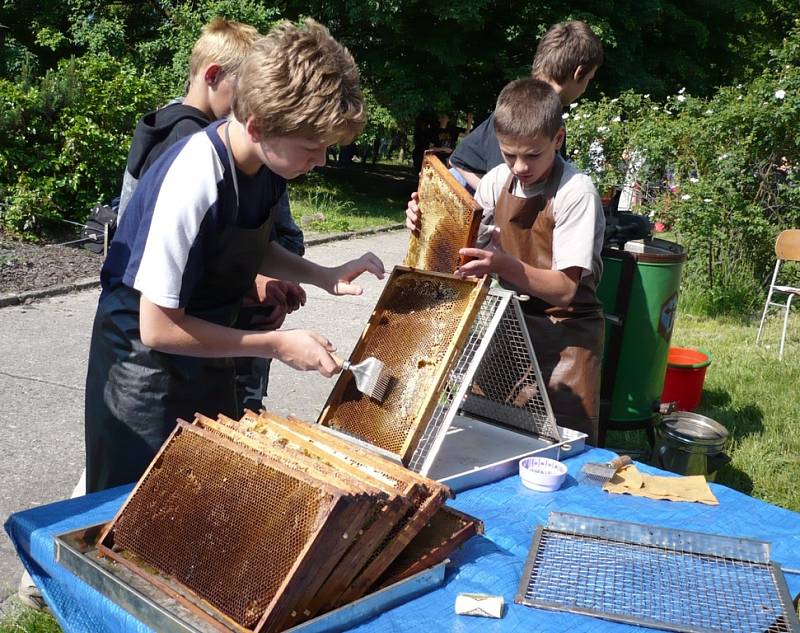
691	444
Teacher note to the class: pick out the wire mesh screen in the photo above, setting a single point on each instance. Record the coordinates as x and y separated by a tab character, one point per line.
455	379
655	582
450	220
508	386
417	326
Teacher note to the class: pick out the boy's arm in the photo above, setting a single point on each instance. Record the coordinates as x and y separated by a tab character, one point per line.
280	263
556	287
471	177
576	225
172	331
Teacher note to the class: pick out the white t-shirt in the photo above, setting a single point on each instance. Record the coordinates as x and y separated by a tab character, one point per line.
577	210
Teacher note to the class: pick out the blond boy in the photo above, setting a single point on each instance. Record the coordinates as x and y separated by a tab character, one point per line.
216	56
194	236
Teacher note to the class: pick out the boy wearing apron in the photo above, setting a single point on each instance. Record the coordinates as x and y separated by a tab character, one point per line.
191	242
542	234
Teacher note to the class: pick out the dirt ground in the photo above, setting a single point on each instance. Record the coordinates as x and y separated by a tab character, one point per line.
25	266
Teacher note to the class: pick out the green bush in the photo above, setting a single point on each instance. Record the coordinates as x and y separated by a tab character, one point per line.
65	139
722	172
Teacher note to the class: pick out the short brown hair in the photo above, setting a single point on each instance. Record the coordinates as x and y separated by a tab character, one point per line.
222	42
563	48
301	81
527	108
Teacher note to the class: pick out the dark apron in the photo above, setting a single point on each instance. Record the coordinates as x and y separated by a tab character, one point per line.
135	394
568	341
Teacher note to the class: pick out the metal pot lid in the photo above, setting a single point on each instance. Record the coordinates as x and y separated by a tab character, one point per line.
694	428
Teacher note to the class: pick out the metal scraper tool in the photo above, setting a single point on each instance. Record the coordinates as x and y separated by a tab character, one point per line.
370	375
601	474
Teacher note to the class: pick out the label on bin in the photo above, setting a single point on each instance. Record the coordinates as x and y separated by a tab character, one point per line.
667	317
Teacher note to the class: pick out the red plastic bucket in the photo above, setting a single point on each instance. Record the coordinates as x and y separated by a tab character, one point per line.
686	372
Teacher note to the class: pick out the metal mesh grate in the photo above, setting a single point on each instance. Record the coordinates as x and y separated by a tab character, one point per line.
450	220
670	579
197	523
439	419
414	330
508	384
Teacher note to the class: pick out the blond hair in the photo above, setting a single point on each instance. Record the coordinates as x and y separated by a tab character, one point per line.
222	42
527	108
301	81
564	48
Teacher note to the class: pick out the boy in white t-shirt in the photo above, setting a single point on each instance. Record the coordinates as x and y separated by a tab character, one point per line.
542	235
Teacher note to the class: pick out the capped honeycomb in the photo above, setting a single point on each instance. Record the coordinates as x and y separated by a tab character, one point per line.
449	220
203	512
419	323
261	523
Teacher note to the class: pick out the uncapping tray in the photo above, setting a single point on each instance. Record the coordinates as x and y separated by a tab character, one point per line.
154	608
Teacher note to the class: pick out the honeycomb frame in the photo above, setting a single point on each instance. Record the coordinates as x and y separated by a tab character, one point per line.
420	323
449	220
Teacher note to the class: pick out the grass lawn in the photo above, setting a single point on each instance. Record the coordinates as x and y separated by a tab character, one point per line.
336	199
28	621
755	397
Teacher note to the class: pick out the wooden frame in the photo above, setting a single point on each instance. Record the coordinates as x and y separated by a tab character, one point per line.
443	231
389	413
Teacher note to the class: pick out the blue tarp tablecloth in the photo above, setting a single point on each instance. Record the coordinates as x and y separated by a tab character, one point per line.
489	564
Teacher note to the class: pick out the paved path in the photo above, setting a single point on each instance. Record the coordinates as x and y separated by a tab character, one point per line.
43	351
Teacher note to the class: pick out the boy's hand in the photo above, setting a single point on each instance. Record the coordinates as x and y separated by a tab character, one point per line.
307	351
341	276
485	261
295	296
413	213
267	292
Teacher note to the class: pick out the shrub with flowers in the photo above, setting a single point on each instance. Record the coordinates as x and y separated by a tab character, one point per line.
722	172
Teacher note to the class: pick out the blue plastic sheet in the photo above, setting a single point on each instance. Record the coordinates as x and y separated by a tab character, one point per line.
489	564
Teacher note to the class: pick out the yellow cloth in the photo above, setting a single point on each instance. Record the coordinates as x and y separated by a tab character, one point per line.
630	481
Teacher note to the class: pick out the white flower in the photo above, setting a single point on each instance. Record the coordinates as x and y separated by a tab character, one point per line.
587	115
682	90
647	96
780	94
655	107
565	116
706	200
686	197
693	179
575	152
602	129
573	105
739	98
616	119
709	112
681	98
614	100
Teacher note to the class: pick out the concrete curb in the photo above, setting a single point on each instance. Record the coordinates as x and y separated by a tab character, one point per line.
12	299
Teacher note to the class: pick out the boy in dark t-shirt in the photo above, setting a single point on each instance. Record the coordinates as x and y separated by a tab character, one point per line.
567	58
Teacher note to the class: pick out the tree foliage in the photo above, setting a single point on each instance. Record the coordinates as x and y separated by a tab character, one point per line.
78	73
722	171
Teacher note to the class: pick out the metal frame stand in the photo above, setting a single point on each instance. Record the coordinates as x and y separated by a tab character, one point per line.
495	377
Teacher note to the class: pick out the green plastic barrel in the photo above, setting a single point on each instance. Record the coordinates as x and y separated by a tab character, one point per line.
639	293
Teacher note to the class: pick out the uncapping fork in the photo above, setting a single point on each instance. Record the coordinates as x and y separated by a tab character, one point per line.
370	375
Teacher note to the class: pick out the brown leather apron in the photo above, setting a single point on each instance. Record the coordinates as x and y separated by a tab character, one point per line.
568	341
